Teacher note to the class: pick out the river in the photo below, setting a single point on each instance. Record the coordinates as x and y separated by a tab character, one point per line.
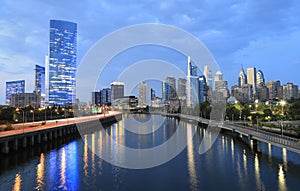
72	164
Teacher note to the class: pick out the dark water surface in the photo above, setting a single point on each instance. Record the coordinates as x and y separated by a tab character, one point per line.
228	165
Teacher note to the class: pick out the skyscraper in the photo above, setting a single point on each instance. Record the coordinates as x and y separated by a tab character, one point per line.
144	94
290	91
40	83
208	76
169	89
153	96
192	86
271	89
260	79
105	96
39	80
202	89
14	87
181	89
221	86
242	78
117	90
95	98
62	63
251	78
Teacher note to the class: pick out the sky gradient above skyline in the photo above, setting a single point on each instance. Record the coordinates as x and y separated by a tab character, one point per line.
264	34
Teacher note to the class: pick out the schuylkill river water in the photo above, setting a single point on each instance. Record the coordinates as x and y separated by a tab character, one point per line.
229	165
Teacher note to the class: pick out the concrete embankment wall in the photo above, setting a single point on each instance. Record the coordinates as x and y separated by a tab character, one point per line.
24	140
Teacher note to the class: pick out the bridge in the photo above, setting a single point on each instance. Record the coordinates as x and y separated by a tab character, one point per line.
292	144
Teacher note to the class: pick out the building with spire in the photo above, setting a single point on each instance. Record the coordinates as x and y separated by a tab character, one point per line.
242	78
260	79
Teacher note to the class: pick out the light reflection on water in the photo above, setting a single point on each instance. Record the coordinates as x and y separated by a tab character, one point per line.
191	160
17	184
40	173
229	162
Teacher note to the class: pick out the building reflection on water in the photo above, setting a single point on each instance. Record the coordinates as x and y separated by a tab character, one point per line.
191	159
75	165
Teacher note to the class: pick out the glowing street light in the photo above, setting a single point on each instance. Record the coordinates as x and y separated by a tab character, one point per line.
32	111
17	110
282	103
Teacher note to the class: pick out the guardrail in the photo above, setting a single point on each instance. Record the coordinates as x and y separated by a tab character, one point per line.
261	135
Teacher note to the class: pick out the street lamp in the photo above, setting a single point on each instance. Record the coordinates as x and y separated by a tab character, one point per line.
256	104
17	110
32	111
282	103
40	109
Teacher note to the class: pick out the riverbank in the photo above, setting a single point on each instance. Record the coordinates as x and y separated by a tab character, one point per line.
30	136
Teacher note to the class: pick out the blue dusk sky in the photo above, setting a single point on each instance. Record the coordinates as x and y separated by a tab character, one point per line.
263	34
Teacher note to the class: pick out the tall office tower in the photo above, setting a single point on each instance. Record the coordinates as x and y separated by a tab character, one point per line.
169	89
251	78
14	87
202	89
181	88
242	78
247	90
278	88
192	86
221	86
62	63
290	91
260	79
39	79
153	96
271	89
40	83
208	76
117	90
144	94
105	96
172	82
263	92
96	98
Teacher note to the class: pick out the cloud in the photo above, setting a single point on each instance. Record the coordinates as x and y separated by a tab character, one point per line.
227	28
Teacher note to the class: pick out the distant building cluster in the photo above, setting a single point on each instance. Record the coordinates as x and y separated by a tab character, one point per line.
55	83
252	86
189	91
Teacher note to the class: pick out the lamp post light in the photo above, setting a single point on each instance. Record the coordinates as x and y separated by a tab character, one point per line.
17	110
32	111
282	103
256	105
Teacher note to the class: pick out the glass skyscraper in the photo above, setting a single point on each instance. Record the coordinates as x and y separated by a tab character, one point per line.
61	67
105	96
39	79
14	87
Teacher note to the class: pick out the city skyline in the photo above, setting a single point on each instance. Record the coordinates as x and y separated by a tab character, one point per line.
248	37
